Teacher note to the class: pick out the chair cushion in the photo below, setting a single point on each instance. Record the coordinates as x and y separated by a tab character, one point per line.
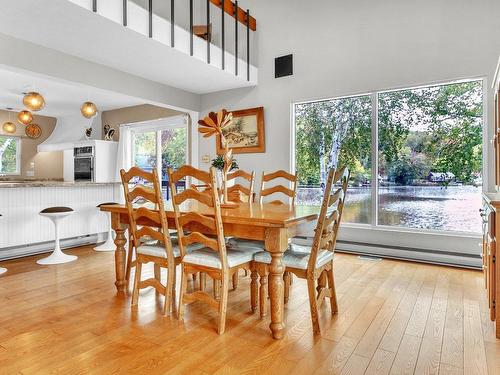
252	246
297	256
210	258
156	249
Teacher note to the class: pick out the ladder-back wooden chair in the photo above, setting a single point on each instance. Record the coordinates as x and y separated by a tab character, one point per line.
194	227
241	194
315	264
238	192
151	242
287	191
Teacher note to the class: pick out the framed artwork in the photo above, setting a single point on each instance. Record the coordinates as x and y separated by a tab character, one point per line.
246	134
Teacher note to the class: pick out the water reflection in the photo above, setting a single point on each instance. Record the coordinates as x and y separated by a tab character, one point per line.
425	207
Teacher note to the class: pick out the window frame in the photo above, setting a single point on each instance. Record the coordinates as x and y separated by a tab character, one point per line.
18	141
374	225
157	126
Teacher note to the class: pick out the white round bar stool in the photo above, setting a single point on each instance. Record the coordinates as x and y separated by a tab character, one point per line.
2	270
56	214
109	245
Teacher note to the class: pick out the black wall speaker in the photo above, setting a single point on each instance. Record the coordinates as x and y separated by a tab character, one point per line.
283	66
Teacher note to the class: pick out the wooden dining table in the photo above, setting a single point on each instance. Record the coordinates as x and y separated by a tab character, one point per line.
271	223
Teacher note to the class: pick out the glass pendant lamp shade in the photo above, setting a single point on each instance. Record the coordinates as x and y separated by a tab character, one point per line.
33	101
9	127
25	117
88	109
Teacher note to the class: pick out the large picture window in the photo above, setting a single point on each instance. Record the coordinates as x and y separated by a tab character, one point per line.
428	147
10	155
332	132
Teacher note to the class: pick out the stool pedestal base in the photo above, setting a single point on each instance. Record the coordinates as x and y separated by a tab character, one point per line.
109	245
57	257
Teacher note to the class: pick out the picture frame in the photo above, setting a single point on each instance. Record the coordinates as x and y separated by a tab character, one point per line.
247	134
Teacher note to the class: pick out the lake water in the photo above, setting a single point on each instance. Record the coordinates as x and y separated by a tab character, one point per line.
455	208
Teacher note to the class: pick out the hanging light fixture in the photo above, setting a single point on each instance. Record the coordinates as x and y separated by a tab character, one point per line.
9	127
33	101
25	117
88	109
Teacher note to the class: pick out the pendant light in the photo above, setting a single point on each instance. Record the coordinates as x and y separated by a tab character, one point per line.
88	109
9	127
33	101
25	117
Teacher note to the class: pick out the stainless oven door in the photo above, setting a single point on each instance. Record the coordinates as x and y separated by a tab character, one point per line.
84	168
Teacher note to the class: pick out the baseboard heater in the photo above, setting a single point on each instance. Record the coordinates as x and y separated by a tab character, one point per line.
462	260
46	247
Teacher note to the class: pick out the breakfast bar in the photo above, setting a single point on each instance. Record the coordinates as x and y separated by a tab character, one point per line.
21	202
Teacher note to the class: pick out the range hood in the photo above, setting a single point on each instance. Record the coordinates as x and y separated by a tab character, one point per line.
70	130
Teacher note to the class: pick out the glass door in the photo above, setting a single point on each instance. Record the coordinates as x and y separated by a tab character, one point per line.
161	149
173	147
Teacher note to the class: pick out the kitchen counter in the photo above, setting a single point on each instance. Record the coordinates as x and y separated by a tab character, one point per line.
16	184
23	231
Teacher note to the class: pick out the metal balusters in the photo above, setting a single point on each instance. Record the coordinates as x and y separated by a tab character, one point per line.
125	4
223	36
150	18
172	23
248	44
236	37
191	27
209	32
239	16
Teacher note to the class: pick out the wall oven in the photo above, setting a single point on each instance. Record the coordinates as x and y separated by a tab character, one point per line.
84	163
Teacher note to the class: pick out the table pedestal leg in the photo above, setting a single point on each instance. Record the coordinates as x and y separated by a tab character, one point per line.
120	253
276	244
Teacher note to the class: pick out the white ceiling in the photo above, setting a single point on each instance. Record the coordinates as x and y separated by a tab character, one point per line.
69	28
61	98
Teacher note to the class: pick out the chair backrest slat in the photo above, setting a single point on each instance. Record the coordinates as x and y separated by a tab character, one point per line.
235	191
197	237
190	193
191	217
330	215
151	211
149	232
189	171
290	193
192	225
143	212
143	192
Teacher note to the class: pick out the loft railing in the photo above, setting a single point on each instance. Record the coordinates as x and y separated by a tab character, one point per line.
227	7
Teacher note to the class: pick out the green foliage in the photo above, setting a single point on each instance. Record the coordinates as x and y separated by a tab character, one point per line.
173	147
421	130
8	155
218	163
320	126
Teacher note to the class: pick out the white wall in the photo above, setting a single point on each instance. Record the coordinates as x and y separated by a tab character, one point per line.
348	47
351	47
19	54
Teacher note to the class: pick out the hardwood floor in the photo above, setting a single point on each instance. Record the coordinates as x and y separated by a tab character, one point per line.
394	318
